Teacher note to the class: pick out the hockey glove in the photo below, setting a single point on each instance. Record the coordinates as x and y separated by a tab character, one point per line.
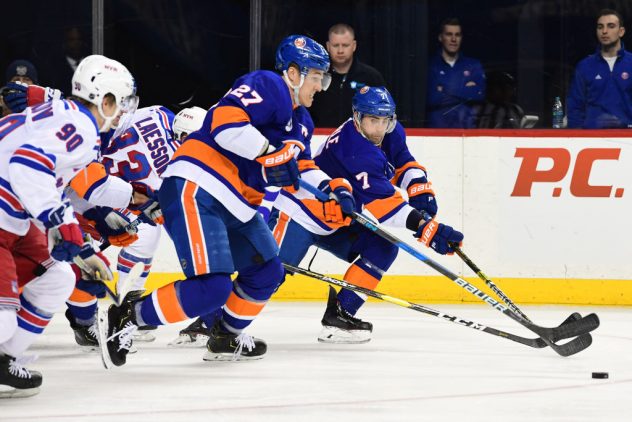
279	166
64	239
342	205
438	236
149	211
421	196
95	288
18	95
93	265
112	226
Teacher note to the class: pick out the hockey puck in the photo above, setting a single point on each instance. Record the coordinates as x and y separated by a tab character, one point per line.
600	375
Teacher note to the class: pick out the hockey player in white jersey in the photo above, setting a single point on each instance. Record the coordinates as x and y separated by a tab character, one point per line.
138	152
41	150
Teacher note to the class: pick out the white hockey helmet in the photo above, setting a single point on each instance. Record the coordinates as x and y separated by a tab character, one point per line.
188	120
96	76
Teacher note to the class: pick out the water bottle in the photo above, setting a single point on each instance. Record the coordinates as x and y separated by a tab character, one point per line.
558	114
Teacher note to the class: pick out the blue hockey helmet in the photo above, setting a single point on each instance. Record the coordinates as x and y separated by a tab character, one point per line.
304	52
373	101
376	101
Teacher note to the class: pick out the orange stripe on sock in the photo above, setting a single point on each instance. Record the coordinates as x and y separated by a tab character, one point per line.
194	229
239	306
80	296
169	304
357	276
281	227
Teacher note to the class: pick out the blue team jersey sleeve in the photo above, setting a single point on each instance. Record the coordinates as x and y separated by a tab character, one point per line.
258	98
398	154
366	167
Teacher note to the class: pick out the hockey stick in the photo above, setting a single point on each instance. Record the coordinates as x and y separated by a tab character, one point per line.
489	282
573	317
537	343
579	328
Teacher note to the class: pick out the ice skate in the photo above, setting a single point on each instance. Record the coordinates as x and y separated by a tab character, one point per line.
116	329
341	327
16	380
143	333
195	335
223	345
87	337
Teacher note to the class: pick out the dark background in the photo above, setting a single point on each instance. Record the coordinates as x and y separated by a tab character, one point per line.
188	52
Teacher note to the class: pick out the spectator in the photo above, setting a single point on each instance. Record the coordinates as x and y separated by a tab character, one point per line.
18	71
21	71
600	95
455	82
499	111
62	64
334	105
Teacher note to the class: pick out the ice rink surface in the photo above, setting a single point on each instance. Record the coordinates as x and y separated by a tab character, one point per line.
416	368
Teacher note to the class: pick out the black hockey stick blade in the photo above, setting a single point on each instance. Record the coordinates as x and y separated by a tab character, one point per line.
572	347
568	329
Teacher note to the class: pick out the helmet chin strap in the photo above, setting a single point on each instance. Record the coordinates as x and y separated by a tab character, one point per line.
357	120
107	121
295	88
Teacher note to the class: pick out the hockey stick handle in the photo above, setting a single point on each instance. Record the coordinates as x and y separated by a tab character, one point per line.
488	281
536	342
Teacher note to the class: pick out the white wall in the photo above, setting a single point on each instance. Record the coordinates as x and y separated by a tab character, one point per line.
540	236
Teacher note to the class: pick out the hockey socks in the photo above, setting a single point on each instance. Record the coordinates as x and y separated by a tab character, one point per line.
184	299
83	307
360	274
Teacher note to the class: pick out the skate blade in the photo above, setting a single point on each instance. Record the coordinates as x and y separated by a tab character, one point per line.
185	341
102	325
18	392
228	357
89	349
338	336
144	336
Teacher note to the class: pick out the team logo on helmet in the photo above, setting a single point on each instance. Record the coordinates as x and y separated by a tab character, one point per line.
300	42
364	89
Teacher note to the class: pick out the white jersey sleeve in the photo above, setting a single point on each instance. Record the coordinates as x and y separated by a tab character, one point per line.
41	151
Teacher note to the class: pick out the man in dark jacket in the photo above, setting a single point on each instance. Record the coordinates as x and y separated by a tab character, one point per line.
455	82
600	95
334	105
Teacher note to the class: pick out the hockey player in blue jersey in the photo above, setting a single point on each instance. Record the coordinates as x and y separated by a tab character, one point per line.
370	152
210	195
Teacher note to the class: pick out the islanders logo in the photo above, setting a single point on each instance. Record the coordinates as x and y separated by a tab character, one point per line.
364	90
299	42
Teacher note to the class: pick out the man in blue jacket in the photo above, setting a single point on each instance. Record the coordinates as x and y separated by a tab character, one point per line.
600	95
455	82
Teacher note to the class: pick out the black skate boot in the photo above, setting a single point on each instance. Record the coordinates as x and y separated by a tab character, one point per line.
341	327
16	380
144	333
86	336
223	345
195	335
116	329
